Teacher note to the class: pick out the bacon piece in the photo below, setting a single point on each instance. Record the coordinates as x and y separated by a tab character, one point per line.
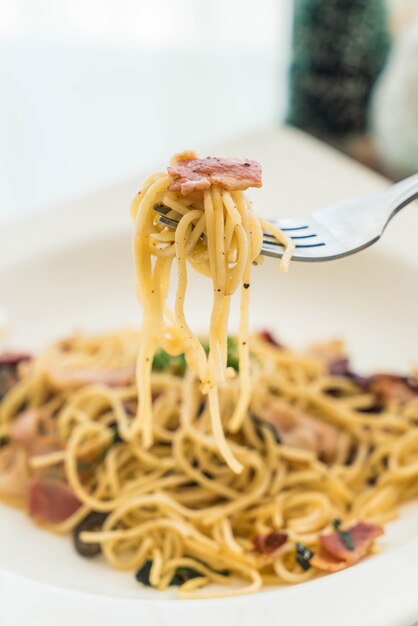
34	432
199	174
26	426
324	561
120	377
9	362
301	430
392	388
268	337
328	351
333	555
269	543
50	500
339	366
12	359
13	472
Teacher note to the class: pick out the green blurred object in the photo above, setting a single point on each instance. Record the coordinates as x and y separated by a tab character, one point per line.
164	362
339	48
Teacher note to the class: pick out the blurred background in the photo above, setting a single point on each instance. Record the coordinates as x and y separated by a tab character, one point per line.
93	91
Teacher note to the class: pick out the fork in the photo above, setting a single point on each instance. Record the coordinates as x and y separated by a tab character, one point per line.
334	231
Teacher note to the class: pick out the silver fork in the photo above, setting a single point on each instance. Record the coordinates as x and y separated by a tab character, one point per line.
337	230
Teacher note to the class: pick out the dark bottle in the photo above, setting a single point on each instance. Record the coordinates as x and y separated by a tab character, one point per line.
339	48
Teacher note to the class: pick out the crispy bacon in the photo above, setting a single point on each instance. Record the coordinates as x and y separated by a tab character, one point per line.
192	174
269	543
50	500
392	388
301	430
333	555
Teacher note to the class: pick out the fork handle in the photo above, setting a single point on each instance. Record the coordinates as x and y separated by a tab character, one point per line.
404	192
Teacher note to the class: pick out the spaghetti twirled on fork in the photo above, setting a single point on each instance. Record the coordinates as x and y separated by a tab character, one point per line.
207	195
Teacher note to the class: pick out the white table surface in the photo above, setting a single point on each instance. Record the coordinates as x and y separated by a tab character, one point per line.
310	172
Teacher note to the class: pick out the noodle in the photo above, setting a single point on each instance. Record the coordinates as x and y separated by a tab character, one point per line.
177	503
233	238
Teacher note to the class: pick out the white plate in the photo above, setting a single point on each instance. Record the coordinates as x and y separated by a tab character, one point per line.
71	268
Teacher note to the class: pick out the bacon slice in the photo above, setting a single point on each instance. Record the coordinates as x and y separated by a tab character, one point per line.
26	426
333	555
301	430
268	337
13	472
34	432
392	388
199	174
339	366
12	359
328	351
269	543
50	500
324	561
9	363
120	377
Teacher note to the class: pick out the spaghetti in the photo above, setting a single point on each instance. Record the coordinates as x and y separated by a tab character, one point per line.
176	513
221	237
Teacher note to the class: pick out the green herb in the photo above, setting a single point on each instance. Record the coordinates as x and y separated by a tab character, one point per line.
164	362
8	378
85	466
345	535
142	575
205	345
303	556
181	575
233	354
90	466
259	424
116	436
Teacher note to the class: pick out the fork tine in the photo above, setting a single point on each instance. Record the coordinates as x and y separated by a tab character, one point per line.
173	223
299	246
168	221
305	250
161	208
270	236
